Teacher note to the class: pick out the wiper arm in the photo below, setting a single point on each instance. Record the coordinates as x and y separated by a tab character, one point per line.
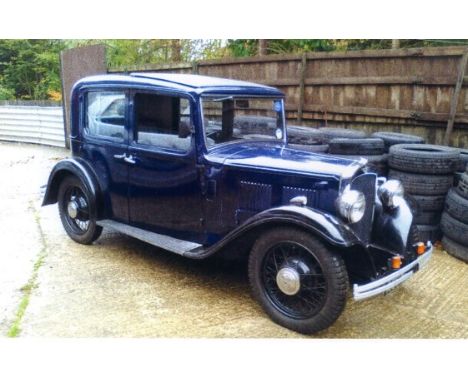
223	99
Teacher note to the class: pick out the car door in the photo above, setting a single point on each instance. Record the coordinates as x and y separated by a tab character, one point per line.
105	143
164	186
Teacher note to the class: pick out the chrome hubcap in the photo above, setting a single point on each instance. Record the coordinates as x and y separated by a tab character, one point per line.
72	209
288	280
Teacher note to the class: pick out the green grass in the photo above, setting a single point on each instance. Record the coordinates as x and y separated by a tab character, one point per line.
27	289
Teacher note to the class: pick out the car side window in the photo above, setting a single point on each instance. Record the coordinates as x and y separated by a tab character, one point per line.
105	114
163	121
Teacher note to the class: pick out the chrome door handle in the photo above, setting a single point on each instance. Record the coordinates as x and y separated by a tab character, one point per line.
130	159
120	156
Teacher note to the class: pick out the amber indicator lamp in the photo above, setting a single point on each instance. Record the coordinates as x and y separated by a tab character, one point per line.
396	262
420	248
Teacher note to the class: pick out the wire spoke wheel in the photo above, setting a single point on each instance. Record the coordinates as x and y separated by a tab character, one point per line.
300	282
294	280
77	209
76	213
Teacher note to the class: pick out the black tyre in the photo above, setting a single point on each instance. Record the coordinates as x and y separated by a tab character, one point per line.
391	138
424	159
423	184
429	203
457	206
456	178
454	229
299	282
463	160
430	233
462	187
361	146
455	249
310	148
249	124
77	216
304	135
329	133
427	217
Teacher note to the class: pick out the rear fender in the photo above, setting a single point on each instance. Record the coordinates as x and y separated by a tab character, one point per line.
79	168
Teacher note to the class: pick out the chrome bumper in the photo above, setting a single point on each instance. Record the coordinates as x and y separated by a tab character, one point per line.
360	292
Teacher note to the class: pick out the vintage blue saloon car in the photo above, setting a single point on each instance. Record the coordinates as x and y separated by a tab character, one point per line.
200	166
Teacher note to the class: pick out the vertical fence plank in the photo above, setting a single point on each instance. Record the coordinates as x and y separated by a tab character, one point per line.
300	106
195	67
455	98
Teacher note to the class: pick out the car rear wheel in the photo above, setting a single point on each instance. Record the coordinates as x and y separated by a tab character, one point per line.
300	283
76	212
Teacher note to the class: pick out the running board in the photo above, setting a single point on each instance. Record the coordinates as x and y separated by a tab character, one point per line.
181	247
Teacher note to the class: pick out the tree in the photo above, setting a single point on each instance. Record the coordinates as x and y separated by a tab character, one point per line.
130	53
29	69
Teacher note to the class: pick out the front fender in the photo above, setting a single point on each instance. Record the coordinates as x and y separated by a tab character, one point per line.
71	166
322	224
316	222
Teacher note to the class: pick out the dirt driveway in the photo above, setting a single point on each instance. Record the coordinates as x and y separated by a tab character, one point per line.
120	287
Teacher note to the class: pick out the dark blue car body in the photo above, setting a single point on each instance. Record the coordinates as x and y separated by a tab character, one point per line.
222	196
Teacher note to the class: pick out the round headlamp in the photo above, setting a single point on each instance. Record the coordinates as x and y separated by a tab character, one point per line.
351	205
390	193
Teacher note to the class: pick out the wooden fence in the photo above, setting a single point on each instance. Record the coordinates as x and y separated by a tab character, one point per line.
404	90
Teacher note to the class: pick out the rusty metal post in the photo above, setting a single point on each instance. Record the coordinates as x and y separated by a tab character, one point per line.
455	98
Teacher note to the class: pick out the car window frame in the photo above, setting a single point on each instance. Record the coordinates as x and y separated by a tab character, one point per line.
96	138
208	149
133	143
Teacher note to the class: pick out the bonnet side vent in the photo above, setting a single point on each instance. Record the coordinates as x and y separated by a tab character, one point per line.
292	192
254	196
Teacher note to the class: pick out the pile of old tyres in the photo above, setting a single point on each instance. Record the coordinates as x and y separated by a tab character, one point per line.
427	173
349	143
454	221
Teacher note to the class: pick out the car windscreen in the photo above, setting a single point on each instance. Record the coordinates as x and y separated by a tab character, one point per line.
229	118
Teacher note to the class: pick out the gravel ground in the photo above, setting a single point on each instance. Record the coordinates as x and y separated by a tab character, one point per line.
120	287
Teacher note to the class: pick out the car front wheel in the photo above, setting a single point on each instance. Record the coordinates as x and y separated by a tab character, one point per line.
300	283
76	213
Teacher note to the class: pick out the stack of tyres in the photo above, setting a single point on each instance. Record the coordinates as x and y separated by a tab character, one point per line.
427	173
454	221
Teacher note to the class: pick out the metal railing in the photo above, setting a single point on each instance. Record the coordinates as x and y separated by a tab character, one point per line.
32	124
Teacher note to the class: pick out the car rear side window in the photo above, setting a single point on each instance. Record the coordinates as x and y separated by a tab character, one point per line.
105	114
162	121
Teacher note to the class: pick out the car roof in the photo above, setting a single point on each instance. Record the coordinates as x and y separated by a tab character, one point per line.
185	82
